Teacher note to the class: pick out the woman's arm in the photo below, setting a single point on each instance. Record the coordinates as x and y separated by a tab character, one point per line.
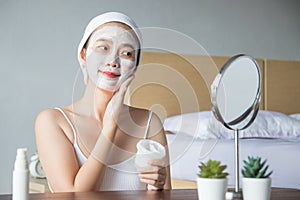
58	158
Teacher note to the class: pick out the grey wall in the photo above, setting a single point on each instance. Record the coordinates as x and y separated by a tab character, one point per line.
39	40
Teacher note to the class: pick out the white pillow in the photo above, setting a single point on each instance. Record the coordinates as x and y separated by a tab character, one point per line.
296	116
203	125
195	124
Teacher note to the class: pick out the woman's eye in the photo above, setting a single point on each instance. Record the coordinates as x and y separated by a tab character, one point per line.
104	48
101	48
127	54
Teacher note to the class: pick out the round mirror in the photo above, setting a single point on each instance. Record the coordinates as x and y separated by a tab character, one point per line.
235	98
235	92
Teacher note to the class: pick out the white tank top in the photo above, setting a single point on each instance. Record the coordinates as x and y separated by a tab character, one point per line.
121	176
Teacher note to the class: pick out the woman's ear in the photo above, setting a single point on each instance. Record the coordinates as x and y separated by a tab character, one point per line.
82	61
82	58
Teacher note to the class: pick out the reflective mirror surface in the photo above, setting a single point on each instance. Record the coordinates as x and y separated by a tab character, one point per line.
235	92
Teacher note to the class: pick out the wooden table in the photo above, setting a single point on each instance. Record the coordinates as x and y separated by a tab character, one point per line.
187	194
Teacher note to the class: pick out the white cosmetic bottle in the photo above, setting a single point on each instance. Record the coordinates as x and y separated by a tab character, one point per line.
21	176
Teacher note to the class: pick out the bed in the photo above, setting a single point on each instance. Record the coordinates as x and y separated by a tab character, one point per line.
176	88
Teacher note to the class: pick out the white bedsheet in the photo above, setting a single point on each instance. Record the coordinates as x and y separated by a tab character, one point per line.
283	157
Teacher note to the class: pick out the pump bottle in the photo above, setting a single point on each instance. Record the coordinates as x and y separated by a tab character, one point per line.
21	176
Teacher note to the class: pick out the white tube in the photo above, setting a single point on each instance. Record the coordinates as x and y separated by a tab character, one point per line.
21	176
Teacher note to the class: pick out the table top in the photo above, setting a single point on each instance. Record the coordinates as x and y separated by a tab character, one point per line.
186	194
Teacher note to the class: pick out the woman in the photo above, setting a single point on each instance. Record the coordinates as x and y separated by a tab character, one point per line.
91	144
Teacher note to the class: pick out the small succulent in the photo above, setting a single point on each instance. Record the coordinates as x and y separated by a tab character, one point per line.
254	168
212	169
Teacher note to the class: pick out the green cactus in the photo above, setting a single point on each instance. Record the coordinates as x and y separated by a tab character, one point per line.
212	169
254	168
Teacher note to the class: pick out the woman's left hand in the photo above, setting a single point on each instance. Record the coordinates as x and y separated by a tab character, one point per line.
116	106
155	177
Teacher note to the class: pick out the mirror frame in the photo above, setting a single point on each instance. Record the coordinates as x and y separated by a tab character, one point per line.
254	107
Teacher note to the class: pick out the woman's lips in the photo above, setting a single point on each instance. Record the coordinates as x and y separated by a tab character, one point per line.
110	74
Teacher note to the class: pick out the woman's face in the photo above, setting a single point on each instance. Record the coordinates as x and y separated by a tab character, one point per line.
111	56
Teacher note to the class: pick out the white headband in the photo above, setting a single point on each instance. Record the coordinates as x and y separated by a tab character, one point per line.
105	18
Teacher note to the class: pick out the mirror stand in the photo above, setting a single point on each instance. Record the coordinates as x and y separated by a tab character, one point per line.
237	192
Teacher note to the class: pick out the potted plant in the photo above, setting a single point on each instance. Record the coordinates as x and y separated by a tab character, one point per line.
212	181
256	180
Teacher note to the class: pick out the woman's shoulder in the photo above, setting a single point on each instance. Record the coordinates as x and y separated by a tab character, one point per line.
136	108
45	114
143	113
49	114
48	118
50	121
45	121
142	116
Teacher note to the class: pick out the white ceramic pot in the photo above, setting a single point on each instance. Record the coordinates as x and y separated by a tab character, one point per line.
256	188
211	189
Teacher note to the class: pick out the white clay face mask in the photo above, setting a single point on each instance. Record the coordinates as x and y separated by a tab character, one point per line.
111	44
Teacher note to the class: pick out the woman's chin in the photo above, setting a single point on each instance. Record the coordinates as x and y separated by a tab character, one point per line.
108	88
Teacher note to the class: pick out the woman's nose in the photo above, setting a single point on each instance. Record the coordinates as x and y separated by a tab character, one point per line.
113	61
114	64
